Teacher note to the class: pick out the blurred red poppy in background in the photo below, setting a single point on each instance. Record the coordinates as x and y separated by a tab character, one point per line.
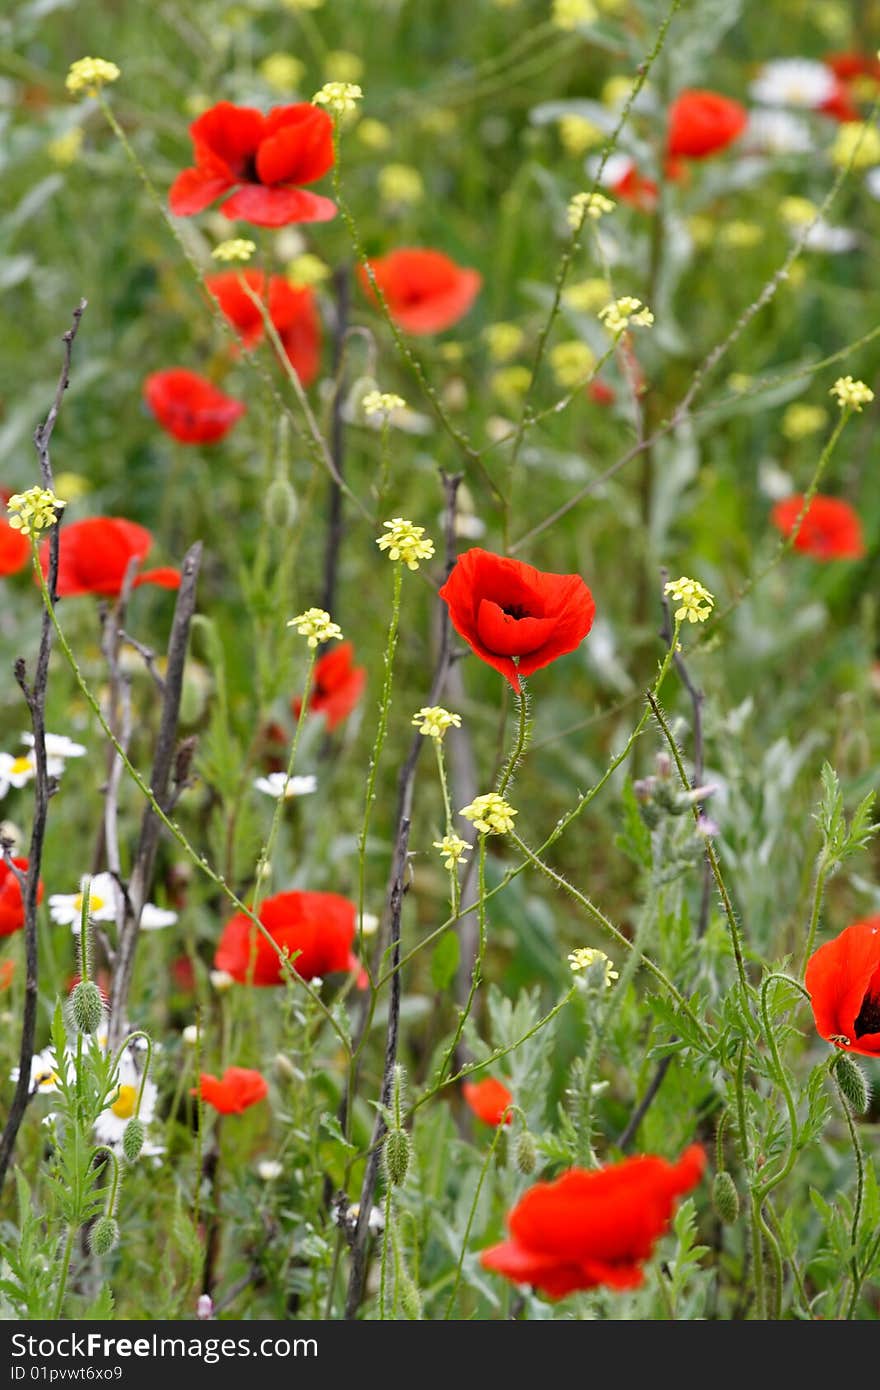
190	407
488	1099
94	554
11	902
702	123
830	529
337	685
843	982
293	313
425	291
505	609
234	1092
320	926
595	1226
266	157
15	549
7	974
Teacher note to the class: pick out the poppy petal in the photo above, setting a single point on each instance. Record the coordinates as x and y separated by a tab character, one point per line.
276	207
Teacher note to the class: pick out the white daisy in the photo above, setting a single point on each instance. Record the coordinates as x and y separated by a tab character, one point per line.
58	746
44	1075
776	132
18	771
66	908
794	82
278	784
122	1104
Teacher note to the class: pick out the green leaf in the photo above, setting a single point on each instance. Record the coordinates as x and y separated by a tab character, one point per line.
444	961
329	1123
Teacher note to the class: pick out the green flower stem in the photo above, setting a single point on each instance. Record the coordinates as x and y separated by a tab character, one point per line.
65	1269
171	826
522	739
146	1071
499	1130
265	858
477	972
822	867
768	1184
386	1237
454	882
110	1205
857	1273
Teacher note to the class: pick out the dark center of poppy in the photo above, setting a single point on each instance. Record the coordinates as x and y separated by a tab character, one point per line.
247	169
516	611
868	1020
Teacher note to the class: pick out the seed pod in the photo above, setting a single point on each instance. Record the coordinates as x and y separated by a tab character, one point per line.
851	1080
133	1139
525	1154
87	1007
103	1235
397	1155
725	1197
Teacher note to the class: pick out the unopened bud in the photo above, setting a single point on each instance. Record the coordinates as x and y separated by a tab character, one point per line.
133	1139
725	1198
103	1235
87	1007
397	1155
852	1082
525	1154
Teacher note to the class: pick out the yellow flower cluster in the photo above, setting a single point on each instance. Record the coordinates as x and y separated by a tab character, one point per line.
491	814
434	720
585	957
282	72
237	248
572	362
89	75
503	340
584	205
34	510
851	394
695	602
374	134
405	542
340	97
307	270
622	312
856	145
570	14
315	624
578	134
452	847
382	403
801	420
400	183
587	296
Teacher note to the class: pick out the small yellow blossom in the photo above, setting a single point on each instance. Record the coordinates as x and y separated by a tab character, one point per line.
491	814
587	296
741	236
342	66
405	542
850	394
237	248
586	957
503	340
374	134
34	510
302	4
510	384
584	205
702	230
453	848
570	14
282	72
315	624
340	97
307	270
89	75
616	91
797	211
618	315
65	149
382	403
856	145
400	183
434	720
578	134
572	362
695	602
801	420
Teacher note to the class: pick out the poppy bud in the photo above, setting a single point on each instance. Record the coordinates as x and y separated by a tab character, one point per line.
87	1007
133	1139
525	1154
851	1080
397	1155
725	1198
103	1235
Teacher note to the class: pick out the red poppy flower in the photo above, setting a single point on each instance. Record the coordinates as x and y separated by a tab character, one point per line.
190	407
15	549
840	105
488	1099
320	926
234	1092
634	188
505	609
425	291
593	1227
293	313
266	157
830	530
601	393
847	66
93	556
11	903
337	685
843	982
702	123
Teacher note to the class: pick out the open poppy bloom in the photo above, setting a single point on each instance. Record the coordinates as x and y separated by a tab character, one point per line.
830	529
702	123
234	1092
337	685
293	313
94	554
265	157
320	926
505	609
425	291
190	407
843	982
15	549
593	1227
11	903
488	1099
